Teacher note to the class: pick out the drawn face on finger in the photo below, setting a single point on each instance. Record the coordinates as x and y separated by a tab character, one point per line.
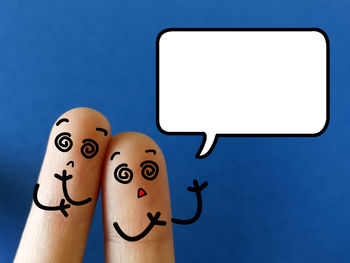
148	169
136	169
136	185
88	147
73	160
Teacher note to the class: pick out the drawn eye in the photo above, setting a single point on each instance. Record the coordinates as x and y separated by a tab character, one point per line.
149	170
89	148
123	174
63	142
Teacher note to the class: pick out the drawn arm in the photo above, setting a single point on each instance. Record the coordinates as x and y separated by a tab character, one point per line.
196	188
62	207
64	178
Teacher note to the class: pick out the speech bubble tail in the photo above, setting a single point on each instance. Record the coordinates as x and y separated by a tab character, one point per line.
208	144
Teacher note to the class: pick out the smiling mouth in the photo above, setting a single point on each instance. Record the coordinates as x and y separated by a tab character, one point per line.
141	192
70	162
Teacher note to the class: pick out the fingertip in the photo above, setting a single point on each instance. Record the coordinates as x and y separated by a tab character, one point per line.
82	113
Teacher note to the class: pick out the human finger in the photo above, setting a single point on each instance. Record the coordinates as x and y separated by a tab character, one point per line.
65	196
136	201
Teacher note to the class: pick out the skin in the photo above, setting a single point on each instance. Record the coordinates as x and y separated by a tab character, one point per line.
137	215
121	204
50	236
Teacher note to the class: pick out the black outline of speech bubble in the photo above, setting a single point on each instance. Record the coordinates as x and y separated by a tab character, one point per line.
240	135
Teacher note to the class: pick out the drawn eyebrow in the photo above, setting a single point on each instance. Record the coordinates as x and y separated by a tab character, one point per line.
61	120
114	154
151	151
102	130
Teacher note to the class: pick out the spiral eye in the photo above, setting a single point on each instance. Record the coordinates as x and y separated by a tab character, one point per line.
89	148
63	142
149	170
123	174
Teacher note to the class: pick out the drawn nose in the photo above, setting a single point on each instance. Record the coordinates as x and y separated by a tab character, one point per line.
70	162
141	192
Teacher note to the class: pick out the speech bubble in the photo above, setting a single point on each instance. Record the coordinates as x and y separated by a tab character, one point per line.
242	82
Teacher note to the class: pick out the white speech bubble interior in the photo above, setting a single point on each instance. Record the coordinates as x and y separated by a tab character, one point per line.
242	82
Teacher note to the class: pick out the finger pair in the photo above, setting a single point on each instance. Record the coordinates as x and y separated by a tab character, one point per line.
135	195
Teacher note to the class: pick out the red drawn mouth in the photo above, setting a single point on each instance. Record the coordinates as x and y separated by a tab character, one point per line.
141	192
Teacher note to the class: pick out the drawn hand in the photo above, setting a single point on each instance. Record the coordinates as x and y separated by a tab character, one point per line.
196	187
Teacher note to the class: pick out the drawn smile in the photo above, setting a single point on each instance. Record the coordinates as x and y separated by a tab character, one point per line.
62	206
153	222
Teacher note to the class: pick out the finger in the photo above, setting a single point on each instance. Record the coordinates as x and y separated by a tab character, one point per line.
136	202
65	196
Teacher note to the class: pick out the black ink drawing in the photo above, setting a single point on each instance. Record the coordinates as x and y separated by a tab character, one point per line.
64	143
153	222
149	171
62	207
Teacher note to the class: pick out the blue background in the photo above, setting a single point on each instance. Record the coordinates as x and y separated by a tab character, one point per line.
268	199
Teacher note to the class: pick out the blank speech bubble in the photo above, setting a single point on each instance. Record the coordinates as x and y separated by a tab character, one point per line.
242	82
